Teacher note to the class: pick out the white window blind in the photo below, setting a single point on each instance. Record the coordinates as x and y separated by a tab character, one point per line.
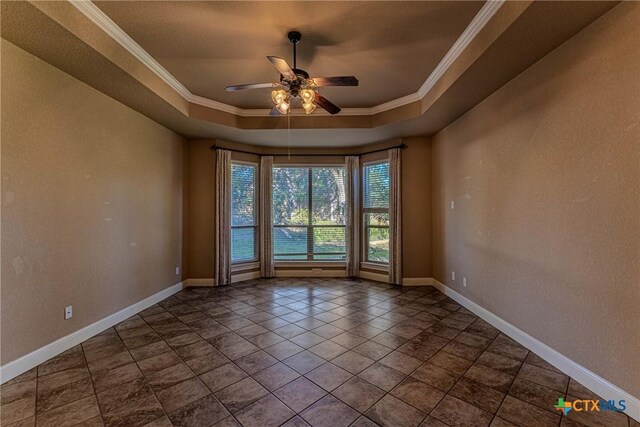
375	208
243	213
309	207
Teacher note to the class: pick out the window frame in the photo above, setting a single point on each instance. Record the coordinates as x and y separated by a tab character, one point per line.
309	225
364	228
256	215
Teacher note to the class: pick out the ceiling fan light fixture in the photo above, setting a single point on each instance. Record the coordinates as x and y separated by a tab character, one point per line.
283	106
309	107
308	96
278	95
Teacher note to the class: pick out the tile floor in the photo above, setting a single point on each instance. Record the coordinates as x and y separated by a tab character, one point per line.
298	352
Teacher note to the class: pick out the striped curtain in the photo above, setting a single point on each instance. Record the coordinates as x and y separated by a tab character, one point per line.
352	234
266	223
395	217
222	262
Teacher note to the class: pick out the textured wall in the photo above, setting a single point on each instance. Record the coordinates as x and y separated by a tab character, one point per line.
91	204
545	176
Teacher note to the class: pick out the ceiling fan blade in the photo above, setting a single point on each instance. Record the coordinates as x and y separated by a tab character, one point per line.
274	112
282	67
250	86
326	104
335	81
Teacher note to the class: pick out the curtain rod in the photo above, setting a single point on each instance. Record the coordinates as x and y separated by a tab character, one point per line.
213	148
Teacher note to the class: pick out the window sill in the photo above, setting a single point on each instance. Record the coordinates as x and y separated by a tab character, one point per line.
245	266
374	266
316	264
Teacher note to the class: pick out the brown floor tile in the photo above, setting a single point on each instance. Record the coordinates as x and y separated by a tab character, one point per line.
358	394
168	377
550	379
382	376
364	422
255	362
159	362
224	376
329	412
524	414
283	350
373	350
296	422
348	340
328	331
478	395
490	377
507	350
266	339
70	414
418	394
274	377
435	376
307	339
19	404
266	412
392	412
289	331
202	412
328	376
455	412
62	387
401	362
499	363
432	422
352	362
241	394
72	358
534	359
328	349
182	394
108	378
138	412
149	350
535	394
580	391
452	363
304	361
463	350
388	339
299	394
473	340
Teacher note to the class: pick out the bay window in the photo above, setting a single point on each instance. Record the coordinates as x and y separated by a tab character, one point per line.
375	210
244	229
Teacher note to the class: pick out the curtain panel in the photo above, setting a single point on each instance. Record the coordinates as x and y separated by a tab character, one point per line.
222	262
266	223
352	234
395	217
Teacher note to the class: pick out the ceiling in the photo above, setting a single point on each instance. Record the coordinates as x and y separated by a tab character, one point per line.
391	47
502	40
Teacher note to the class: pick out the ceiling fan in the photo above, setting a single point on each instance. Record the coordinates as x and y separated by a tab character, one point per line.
296	83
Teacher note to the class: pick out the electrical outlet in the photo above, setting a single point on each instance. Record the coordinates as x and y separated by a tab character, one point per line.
464	282
68	312
453	275
453	204
177	270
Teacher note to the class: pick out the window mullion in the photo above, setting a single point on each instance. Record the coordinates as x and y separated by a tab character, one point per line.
310	233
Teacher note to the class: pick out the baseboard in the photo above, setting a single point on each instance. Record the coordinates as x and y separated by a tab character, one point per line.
378	277
310	273
200	282
33	359
235	278
592	381
417	281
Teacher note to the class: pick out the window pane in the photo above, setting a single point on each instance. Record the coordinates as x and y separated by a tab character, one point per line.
329	239
289	240
290	196
376	219
378	249
243	180
329	199
376	185
243	244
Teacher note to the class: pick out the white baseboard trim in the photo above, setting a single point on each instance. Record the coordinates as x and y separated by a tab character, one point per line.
36	357
310	273
199	282
378	277
235	278
417	281
592	381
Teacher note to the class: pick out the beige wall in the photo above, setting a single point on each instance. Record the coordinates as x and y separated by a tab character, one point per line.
91	204
545	176
416	196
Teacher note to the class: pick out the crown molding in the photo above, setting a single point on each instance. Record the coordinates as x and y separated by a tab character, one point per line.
106	24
